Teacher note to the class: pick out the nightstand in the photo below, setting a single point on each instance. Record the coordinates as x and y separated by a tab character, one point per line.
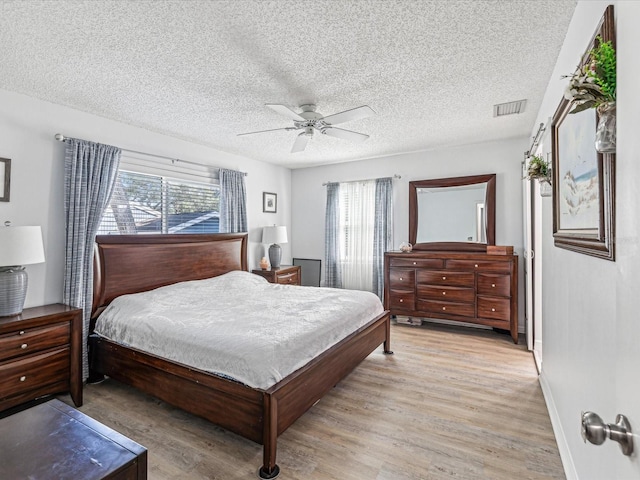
40	354
286	274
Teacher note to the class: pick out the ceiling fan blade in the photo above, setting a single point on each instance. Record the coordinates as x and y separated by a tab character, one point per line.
345	134
284	110
263	131
301	143
354	114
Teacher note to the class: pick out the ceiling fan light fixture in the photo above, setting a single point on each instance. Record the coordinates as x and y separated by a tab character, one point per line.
509	108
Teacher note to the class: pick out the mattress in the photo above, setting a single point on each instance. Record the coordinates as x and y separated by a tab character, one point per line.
238	325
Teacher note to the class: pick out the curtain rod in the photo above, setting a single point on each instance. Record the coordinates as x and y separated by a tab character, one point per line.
62	138
363	180
536	140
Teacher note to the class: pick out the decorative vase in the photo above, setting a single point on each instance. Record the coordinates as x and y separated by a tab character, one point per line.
406	247
606	131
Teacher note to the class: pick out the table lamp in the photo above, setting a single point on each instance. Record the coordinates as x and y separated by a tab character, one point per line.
274	235
18	246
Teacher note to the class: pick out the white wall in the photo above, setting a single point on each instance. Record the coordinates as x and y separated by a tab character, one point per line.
27	129
591	331
502	158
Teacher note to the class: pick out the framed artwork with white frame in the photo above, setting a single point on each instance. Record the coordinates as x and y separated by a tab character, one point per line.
269	202
5	179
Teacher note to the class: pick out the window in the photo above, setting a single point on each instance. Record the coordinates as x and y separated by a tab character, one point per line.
145	203
357	220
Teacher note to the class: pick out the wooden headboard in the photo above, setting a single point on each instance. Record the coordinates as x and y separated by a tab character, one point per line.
125	264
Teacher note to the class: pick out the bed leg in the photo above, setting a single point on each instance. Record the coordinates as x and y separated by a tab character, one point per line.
94	377
269	468
387	340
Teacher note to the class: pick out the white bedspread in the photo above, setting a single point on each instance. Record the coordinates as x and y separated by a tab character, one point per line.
238	324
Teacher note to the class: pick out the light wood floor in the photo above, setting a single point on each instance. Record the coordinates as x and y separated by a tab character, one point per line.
452	403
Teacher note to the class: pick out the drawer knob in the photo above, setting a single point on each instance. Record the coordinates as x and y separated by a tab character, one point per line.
23	378
23	346
476	265
493	285
444	308
444	278
444	293
415	263
21	332
401	278
493	309
401	300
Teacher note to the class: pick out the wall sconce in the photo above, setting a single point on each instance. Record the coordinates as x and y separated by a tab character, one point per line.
19	246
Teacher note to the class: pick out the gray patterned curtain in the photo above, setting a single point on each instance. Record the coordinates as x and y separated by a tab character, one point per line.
332	273
381	231
233	202
91	170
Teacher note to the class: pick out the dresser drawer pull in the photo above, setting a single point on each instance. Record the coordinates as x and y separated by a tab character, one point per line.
493	285
493	309
415	263
444	293
21	332
23	378
476	265
23	346
401	278
444	308
401	300
444	278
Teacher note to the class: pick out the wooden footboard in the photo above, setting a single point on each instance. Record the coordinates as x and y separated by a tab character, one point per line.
258	415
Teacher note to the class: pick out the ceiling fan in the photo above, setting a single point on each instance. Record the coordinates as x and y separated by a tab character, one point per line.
310	121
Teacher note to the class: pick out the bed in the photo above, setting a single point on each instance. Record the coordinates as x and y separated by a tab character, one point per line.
125	264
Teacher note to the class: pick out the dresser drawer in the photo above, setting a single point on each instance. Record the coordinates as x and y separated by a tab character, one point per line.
442	277
24	342
402	278
33	371
451	294
401	300
490	284
446	308
494	307
417	262
288	278
479	265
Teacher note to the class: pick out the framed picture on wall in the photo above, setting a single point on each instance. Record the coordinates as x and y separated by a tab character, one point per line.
5	179
269	202
583	178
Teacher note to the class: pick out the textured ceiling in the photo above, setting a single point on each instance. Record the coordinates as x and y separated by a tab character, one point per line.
203	70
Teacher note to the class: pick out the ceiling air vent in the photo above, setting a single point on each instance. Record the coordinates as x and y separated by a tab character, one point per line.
509	108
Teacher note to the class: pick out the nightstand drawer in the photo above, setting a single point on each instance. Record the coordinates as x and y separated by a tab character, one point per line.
288	278
34	371
27	341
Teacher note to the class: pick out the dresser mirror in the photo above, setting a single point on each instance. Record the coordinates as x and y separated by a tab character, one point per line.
453	213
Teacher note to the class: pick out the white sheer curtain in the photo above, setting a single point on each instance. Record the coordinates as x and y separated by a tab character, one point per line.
357	219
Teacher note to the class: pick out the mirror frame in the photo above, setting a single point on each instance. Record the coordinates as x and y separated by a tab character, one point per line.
490	209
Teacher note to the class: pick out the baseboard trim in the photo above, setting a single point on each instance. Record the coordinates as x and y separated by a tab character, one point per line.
563	447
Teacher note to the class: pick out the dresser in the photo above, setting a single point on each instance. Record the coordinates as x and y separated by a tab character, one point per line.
467	287
40	354
289	275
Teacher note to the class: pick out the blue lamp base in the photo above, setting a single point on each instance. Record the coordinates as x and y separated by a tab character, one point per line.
13	290
275	254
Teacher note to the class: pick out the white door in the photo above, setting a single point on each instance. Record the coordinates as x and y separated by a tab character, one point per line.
528	249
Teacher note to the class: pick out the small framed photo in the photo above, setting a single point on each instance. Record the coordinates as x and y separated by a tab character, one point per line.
269	202
5	179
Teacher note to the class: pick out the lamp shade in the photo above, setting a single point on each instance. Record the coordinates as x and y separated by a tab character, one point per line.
20	246
274	234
